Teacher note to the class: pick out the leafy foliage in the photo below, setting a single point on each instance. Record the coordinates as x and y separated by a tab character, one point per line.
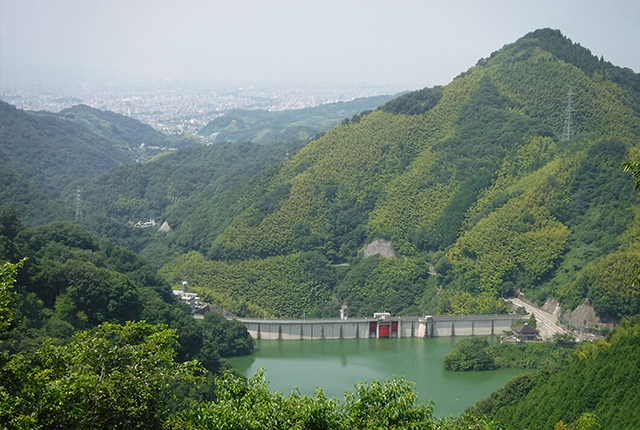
600	379
112	377
292	285
528	355
469	354
7	297
379	284
72	282
391	404
21	195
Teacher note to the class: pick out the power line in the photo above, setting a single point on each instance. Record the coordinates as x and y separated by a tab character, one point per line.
78	206
567	131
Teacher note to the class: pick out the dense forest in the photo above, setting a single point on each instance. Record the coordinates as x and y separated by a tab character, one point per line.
599	378
69	282
55	149
476	184
125	375
475	180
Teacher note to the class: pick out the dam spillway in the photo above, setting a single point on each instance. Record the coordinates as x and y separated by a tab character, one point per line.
379	327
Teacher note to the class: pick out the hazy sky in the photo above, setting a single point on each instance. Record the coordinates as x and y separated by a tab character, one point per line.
412	43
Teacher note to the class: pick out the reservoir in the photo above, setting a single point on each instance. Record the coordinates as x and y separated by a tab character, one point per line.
336	365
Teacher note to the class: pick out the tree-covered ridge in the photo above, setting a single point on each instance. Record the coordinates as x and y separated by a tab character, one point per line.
599	378
53	151
56	149
178	188
474	177
265	127
122	130
71	281
167	184
561	47
34	206
346	167
414	103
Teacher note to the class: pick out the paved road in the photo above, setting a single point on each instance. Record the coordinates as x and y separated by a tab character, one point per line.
546	321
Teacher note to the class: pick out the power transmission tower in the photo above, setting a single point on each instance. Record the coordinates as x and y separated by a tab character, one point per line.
567	132
78	206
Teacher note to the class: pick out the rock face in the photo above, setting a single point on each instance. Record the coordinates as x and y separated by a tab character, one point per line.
379	246
552	306
165	227
584	316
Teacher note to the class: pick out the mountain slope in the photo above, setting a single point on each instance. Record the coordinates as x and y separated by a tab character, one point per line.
125	132
474	177
31	203
600	378
53	151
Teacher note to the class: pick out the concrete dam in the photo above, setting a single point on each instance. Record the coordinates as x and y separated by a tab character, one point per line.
380	326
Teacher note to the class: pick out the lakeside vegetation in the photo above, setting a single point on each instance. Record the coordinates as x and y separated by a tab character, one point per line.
74	292
479	354
600	378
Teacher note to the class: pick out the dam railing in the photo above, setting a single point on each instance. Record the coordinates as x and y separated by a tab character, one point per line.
380	327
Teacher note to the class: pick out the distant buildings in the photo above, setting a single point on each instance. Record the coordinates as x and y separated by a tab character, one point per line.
521	333
192	299
143	224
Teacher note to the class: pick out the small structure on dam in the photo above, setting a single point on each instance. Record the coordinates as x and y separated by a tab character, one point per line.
382	325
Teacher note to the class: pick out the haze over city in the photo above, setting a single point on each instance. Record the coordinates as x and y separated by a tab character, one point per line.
399	43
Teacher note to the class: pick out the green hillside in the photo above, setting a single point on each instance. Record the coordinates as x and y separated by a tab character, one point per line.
53	151
474	177
599	378
126	132
262	126
33	205
176	188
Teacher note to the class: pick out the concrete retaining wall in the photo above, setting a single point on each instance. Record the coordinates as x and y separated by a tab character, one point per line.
307	329
358	328
468	325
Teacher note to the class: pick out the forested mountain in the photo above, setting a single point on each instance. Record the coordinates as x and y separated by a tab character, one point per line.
484	181
477	177
34	206
124	131
479	180
55	149
262	126
175	188
600	379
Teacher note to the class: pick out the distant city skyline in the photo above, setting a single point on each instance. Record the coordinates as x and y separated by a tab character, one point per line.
404	43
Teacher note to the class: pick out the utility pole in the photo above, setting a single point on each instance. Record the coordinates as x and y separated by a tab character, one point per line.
567	132
78	206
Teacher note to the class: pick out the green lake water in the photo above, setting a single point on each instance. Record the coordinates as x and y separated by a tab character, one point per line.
336	365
